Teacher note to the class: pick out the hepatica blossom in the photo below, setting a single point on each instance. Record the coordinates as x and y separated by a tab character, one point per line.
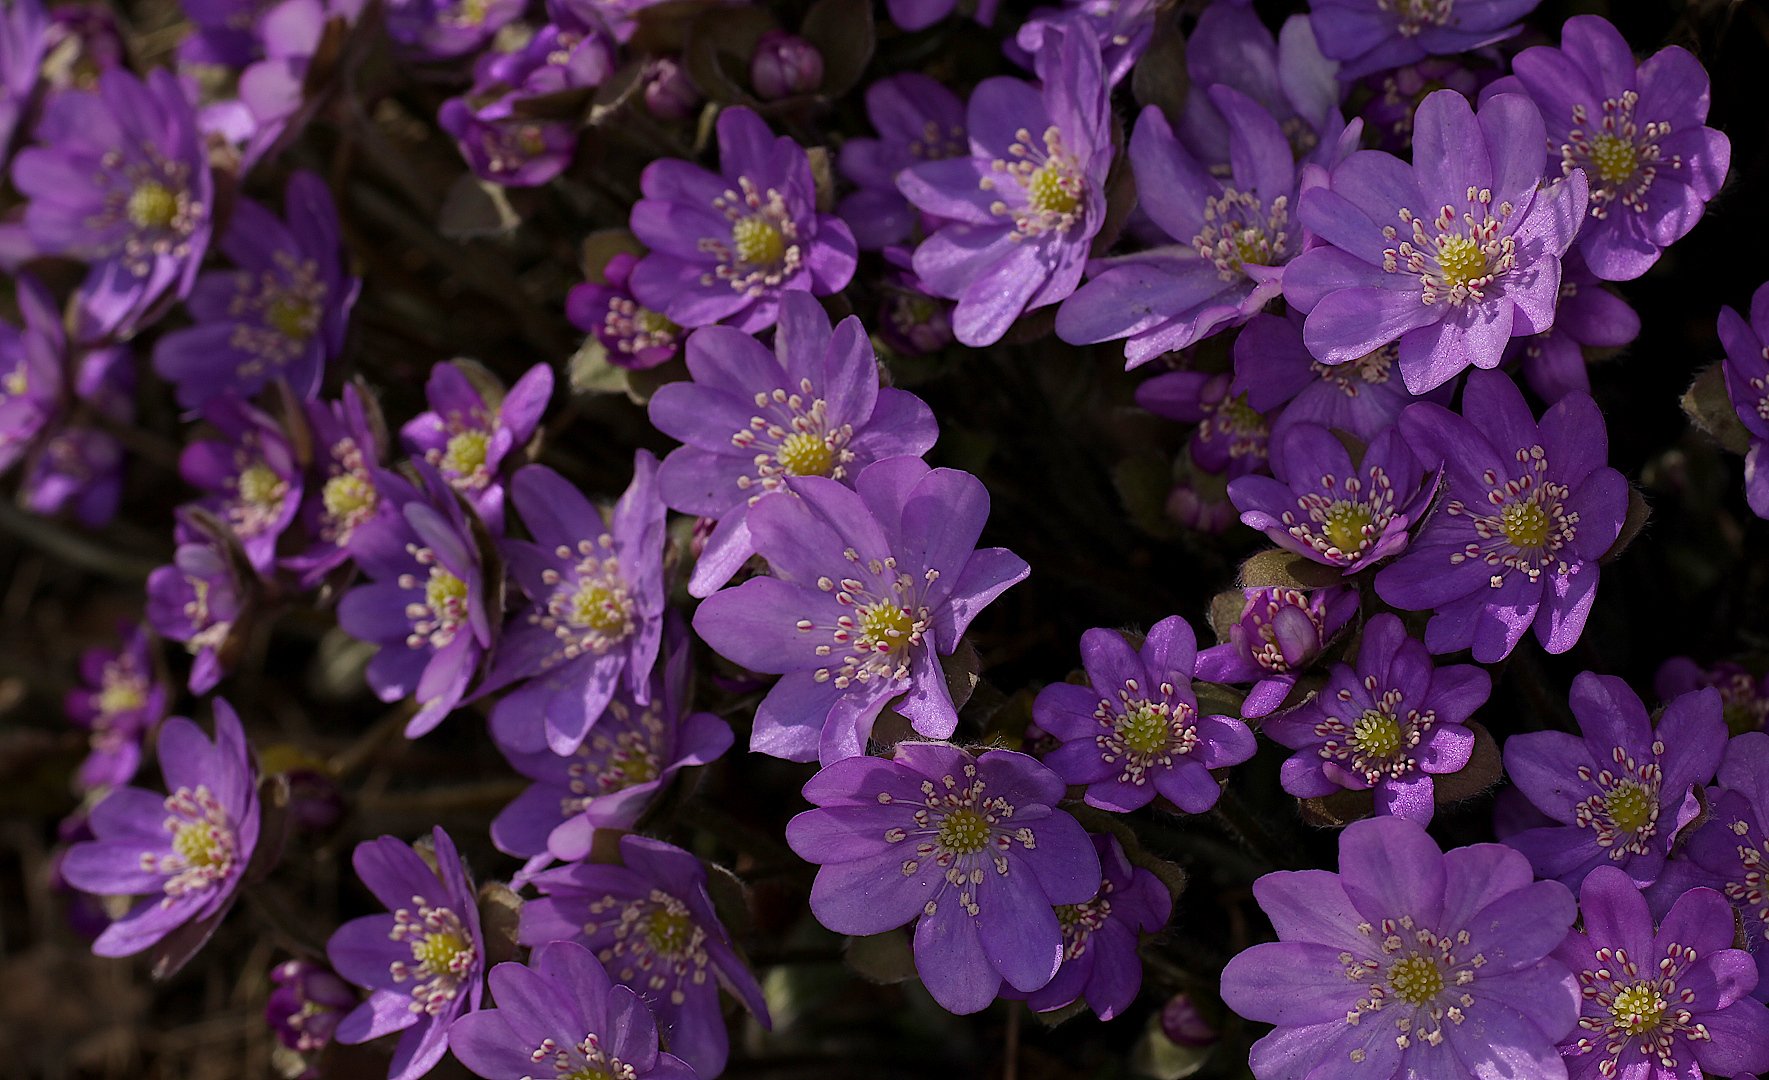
279	314
1136	732
973	850
1744	696
1590	316
120	698
31	377
184	852
306	1006
1621	790
561	1011
1665	1002
1232	438
1279	634
723	248
918	120
250	475
1388	724
344	508
1638	133
633	335
466	438
868	586
1370	35
1023	208
1276	375
121	181
1409	962
1528	509
196	600
1451	256
422	962
1746	369
596	608
652	925
1286	76
752	421
23	40
1733	845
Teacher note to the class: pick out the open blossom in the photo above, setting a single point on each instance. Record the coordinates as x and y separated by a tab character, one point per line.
1279	634
250	476
1528	509
1664	1002
1746	368
596	614
195	600
1232	438
918	119
868	586
1370	35
183	852
1744	696
306	1006
425	600
1638	133
429	30
120	698
652	925
1589	316
1022	209
1136	732
279	314
1397	92
1388	724
1278	377
470	429
562	1010
1409	962
1451	256
1621	790
724	248
752	421
634	336
1733	846
630	755
1325	508
973	850
1123	29
121	181
422	962
343	509
1286	76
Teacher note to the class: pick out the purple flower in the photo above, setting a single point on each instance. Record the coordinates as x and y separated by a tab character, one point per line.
632	752
425	603
597	609
273	103
752	421
304	1009
1409	962
1232	437
1231	238
196	600
1273	371
1744	696
1387	724
1286	76
563	1009
280	315
184	852
1589	316
344	509
470	429
634	336
250	476
1638	134
1621	789
921	14
123	183
652	925
1527	511
1369	35
78	468
120	699
670	95
23	41
1746	368
1325	508
918	120
909	320
1733	845
83	42
422	962
1022	210
429	30
1660	1003
973	850
867	585
1397	94
723	248
31	366
1279	634
1452	256
1123	29
784	65
1137	732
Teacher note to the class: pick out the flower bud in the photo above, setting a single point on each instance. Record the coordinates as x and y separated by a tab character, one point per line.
784	65
669	93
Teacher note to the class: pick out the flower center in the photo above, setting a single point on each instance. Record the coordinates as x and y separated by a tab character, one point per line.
153	205
437	951
445	593
1345	525
1615	158
1525	524
759	241
204	847
884	626
465	452
443	955
805	453
17	381
1376	734
1239	231
1637	1009
261	487
1630	806
1416	979
964	832
1050	179
201	845
1052	189
669	931
1460	260
293	317
1144	729
1415	15
120	696
654	323
348	497
599	606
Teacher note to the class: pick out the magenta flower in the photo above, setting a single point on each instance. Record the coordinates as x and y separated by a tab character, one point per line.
1388	724
1452	256
250	477
1279	634
752	421
634	336
1370	35
652	925
868	586
1638	133
1528	509
973	850
185	852
723	248
466	438
422	963
1409	962
1621	790
1746	368
121	698
918	120
1137	732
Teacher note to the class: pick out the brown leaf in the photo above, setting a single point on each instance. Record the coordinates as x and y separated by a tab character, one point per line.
1709	407
1277	568
1484	769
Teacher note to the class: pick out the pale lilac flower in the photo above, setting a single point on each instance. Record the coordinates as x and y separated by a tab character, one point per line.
1277	377
1286	76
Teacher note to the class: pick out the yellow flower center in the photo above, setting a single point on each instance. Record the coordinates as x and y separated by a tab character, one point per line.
260	486
1630	806
885	623
1053	189
17	381
198	844
654	322
293	317
1344	527
347	495
1638	1009
1461	260
473	12
444	592
465	453
1525	524
152	205
437	951
805	454
120	697
1376	734
964	832
1416	979
587	1073
597	607
1615	158
1144	730
669	932
759	241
